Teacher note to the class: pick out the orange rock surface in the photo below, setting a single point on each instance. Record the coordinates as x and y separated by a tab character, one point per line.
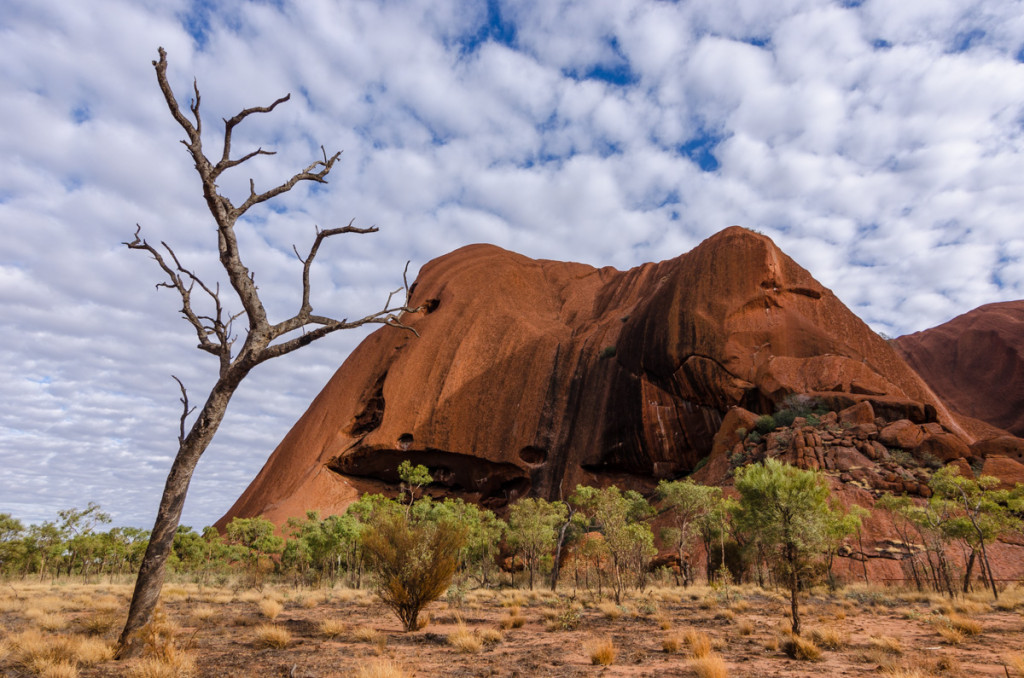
530	376
975	362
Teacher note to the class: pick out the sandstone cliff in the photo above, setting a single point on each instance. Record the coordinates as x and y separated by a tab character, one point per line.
975	363
531	376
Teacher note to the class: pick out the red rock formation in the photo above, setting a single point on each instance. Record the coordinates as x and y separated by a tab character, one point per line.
975	362
532	376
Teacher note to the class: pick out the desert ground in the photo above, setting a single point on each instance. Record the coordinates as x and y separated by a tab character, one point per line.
67	629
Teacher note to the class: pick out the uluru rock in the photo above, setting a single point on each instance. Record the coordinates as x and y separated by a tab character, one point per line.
530	376
975	362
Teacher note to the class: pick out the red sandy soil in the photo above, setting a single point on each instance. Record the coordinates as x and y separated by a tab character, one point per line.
219	630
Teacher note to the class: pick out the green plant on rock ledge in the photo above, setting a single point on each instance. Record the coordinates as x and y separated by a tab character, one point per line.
765	424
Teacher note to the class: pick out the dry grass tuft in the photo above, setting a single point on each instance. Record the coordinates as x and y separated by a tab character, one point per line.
600	651
270	608
610	610
671	643
801	648
367	634
745	627
887	644
830	638
101	623
332	628
1016	662
965	625
710	666
698	642
203	613
949	635
464	640
271	635
514	620
381	668
490	636
161	667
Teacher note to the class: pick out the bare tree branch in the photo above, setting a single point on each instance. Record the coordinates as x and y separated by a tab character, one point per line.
185	410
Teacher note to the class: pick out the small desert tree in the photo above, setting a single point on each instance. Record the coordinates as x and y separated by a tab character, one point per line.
620	518
533	527
788	509
261	339
413	558
685	502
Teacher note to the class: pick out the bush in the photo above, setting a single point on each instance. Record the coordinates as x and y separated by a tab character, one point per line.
414	562
784	418
765	424
607	352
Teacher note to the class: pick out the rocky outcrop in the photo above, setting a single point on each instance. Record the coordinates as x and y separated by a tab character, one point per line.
531	376
975	362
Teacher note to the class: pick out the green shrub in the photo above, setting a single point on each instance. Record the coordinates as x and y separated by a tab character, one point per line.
754	437
607	352
765	424
784	418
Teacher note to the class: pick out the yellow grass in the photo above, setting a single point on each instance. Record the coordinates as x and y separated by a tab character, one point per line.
801	648
381	668
830	638
180	666
601	651
464	640
366	634
332	628
270	608
745	627
1016	662
671	643
710	666
887	644
270	635
965	625
610	610
698	642
949	635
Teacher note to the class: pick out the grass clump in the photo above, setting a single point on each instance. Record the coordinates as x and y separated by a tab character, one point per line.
830	638
465	640
332	628
886	644
710	666
271	635
698	642
381	668
804	649
270	608
601	651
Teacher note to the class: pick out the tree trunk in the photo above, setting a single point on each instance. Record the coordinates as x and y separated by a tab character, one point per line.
153	568
968	570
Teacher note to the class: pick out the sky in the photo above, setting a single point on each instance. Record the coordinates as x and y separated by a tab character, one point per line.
879	143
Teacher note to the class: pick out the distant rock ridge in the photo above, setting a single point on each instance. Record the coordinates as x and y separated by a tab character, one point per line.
530	376
975	363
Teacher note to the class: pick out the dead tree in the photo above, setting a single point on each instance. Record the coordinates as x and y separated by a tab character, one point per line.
215	329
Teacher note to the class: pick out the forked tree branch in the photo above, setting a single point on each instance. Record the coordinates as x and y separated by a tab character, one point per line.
185	410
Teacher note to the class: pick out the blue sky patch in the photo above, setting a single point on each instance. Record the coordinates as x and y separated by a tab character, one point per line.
615	71
81	113
497	29
965	40
701	150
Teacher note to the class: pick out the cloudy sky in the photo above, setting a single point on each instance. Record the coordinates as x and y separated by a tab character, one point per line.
878	142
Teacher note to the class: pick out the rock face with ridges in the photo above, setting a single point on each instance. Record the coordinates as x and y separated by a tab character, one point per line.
531	376
975	362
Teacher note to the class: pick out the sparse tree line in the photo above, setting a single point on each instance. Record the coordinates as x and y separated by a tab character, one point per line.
783	529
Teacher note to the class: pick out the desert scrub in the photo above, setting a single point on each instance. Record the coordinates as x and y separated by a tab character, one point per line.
332	628
801	648
830	638
764	424
465	640
270	608
271	635
381	668
887	644
698	642
601	651
709	666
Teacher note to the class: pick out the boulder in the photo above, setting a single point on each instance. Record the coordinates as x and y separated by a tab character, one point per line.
1008	471
527	377
902	434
